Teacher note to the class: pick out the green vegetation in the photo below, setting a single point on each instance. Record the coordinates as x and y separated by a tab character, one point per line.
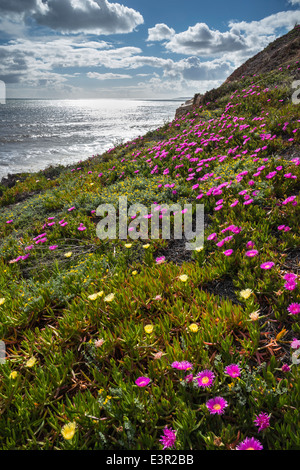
83	319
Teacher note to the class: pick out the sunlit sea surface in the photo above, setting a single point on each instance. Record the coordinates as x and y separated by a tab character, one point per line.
35	134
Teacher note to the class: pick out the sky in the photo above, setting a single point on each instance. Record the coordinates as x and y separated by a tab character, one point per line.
150	49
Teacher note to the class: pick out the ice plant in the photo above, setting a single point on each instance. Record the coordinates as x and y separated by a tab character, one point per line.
216	405
250	443
183	365
251	253
205	378
96	295
294	308
193	327
245	293
148	329
2	300
109	298
31	362
168	438
267	265
142	381
183	277
233	370
68	431
262	421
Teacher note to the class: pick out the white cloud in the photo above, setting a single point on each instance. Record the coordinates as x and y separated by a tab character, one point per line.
203	41
73	16
160	32
269	24
107	76
294	2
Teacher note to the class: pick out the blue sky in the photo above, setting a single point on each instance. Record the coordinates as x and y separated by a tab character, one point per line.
132	48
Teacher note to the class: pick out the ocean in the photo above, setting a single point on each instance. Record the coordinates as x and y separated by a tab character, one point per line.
35	134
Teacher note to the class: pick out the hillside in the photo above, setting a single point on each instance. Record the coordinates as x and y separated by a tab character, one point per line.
281	53
141	344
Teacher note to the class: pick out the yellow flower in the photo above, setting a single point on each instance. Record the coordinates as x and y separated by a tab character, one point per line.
148	329
67	255
109	298
31	362
245	294
128	245
146	246
134	273
13	374
183	277
68	430
193	327
199	248
95	296
2	301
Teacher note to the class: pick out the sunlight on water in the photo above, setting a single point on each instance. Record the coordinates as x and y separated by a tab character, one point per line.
37	133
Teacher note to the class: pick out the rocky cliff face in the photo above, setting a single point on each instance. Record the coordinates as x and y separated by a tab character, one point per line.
189	105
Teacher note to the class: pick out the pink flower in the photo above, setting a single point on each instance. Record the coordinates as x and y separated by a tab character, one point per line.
205	378
228	252
183	365
262	421
295	344
250	443
233	370
160	260
216	405
290	285
294	308
251	253
212	236
142	381
168	438
267	265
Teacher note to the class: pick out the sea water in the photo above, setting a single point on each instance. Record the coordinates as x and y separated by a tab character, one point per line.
35	134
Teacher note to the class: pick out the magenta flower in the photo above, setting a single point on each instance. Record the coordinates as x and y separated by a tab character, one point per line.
212	236
262	421
53	247
250	443
29	247
142	381
267	265
250	244
216	405
233	370
251	253
295	344
183	365
168	438
285	368
294	308
228	252
290	277
290	285
160	260
205	378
